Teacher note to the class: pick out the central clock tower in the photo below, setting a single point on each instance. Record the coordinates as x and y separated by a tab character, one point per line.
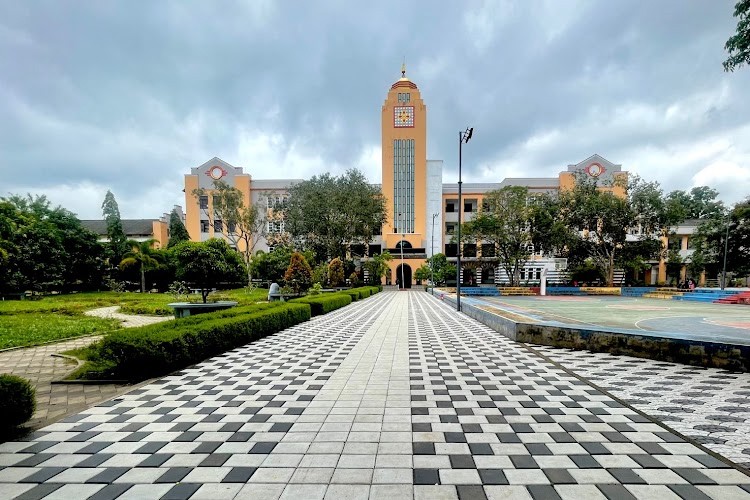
404	174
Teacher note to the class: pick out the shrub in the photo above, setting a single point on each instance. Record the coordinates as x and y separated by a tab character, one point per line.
141	353
17	401
336	272
323	304
299	275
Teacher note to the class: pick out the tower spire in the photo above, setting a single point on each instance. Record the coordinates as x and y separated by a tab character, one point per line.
403	69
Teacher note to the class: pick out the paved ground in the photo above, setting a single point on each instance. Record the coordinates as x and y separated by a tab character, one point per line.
393	397
699	320
128	320
709	405
38	365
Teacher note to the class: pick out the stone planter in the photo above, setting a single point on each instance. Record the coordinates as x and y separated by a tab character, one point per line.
185	309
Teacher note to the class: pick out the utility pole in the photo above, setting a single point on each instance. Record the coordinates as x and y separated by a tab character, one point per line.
726	247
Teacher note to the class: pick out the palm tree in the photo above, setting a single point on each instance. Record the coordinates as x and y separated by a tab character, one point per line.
143	255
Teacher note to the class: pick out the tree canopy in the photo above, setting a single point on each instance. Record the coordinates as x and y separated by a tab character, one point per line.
118	242
208	264
504	222
142	256
738	45
240	222
329	215
177	231
44	248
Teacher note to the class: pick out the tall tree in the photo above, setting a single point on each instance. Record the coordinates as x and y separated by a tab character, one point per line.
177	231
700	203
208	264
738	45
144	257
329	215
602	219
44	248
244	225
504	221
118	242
377	267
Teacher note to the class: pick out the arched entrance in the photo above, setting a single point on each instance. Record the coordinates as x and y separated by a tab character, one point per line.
407	275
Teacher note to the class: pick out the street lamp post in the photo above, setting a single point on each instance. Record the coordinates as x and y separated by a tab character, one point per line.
462	137
401	244
432	255
724	269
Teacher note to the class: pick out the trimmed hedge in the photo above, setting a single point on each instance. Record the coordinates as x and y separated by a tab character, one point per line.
17	401
146	352
322	304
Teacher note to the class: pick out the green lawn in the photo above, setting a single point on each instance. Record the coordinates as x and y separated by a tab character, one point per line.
32	322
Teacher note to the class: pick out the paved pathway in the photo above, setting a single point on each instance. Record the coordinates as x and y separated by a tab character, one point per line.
38	365
128	320
709	405
393	397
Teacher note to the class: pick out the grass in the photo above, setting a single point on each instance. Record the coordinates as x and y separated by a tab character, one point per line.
56	317
34	329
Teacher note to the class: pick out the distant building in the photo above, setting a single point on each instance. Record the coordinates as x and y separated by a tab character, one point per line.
413	188
137	229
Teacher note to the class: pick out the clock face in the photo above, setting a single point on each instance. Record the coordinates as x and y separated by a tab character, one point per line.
595	170
216	172
403	116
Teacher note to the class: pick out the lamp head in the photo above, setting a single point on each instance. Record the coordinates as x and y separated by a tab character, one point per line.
469	132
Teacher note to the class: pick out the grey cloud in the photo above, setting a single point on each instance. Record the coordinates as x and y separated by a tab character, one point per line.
119	94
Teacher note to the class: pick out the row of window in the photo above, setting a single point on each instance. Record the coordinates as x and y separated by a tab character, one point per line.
403	185
404	97
218	226
470	250
452	206
278	201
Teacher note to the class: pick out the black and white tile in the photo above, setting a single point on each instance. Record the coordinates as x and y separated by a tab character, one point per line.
394	397
493	419
708	405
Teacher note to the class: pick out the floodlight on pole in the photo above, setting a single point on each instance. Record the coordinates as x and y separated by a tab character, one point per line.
462	137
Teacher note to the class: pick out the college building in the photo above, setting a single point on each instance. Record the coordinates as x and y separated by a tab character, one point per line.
422	210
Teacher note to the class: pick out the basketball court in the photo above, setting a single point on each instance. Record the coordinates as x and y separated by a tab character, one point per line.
726	323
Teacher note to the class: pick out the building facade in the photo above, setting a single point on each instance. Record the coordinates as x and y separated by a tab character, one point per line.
422	211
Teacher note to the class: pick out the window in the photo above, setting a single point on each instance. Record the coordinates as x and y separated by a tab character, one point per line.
468	207
374	250
203	200
215	201
470	250
451	249
231	227
485	206
450	207
689	242
404	97
488	250
218	226
204	226
539	274
275	226
450	228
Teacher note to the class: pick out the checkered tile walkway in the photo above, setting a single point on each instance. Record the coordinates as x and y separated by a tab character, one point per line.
393	397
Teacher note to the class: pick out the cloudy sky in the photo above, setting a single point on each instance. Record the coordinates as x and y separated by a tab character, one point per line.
129	95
